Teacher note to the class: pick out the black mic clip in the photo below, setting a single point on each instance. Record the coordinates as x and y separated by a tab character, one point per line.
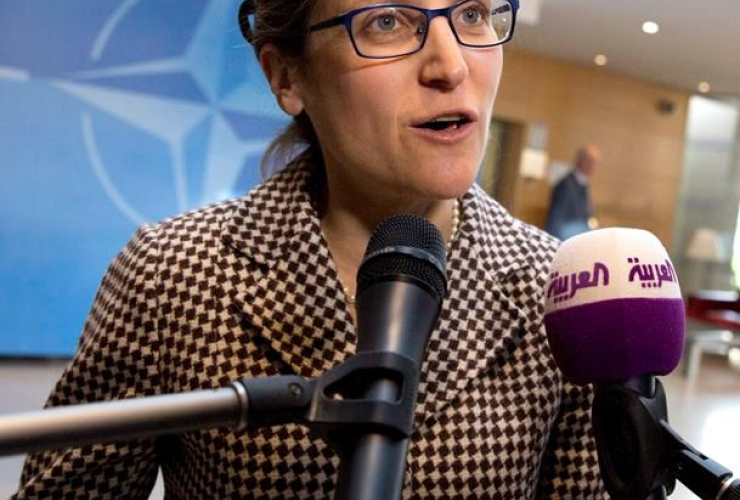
335	403
629	439
339	403
641	456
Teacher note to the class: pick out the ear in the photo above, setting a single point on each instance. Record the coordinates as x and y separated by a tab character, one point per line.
282	75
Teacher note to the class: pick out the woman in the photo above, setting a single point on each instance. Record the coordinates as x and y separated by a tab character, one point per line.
391	108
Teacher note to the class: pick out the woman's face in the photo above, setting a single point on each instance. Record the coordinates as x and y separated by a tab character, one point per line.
372	116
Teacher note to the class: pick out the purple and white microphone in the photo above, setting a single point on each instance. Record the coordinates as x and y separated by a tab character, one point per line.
615	318
613	308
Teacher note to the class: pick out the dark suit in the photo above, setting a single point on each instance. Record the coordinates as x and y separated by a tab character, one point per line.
570	208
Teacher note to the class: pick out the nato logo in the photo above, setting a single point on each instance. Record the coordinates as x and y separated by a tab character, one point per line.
115	114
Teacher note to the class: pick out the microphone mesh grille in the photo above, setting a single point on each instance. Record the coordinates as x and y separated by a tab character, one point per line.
405	231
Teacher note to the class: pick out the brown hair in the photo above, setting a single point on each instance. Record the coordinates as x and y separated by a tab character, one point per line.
283	23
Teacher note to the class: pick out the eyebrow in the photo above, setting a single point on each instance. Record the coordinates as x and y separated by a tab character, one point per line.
358	4
352	5
355	4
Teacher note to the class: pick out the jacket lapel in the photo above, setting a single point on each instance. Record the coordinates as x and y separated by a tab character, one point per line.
481	323
289	293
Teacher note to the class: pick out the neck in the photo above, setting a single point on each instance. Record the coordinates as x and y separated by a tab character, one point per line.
347	230
582	178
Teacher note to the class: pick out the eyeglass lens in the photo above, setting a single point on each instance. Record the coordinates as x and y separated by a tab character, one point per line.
387	31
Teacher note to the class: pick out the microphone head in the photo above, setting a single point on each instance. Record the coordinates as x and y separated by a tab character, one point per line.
613	307
406	247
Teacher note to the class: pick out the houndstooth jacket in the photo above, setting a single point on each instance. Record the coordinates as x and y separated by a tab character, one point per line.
248	288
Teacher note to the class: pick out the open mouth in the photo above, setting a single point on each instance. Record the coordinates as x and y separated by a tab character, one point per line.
445	122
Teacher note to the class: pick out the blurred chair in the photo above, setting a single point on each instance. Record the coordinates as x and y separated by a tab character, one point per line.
719	310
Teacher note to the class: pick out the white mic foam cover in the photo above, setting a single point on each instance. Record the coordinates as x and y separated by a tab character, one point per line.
613	307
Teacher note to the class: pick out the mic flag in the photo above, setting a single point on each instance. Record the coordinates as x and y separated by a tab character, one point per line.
613	307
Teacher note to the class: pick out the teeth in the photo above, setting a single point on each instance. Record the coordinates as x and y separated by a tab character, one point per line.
448	118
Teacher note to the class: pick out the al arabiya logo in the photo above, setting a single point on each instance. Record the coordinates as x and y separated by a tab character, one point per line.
208	104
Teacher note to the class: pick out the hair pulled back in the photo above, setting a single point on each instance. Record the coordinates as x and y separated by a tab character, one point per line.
285	24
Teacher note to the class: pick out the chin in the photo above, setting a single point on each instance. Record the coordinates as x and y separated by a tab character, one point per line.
455	178
453	188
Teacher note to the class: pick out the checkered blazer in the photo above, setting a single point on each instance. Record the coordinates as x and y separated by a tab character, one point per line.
247	288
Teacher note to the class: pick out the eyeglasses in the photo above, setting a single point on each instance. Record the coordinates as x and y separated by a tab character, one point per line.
393	30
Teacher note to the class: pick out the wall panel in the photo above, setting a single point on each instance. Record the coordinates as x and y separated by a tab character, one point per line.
638	181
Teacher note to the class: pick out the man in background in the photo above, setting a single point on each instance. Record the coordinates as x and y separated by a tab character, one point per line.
571	212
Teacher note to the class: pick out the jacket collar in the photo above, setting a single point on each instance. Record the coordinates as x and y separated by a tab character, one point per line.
289	289
267	225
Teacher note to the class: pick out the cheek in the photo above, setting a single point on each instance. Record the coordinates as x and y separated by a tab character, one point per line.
353	116
489	69
328	100
366	104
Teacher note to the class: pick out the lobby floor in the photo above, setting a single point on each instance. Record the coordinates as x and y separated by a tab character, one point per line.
706	413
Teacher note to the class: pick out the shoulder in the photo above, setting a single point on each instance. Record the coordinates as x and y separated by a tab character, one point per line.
566	181
512	242
272	199
186	235
253	225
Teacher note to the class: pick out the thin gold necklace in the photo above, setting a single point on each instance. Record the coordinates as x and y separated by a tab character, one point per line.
350	297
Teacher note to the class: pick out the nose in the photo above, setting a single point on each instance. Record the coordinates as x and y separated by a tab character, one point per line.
444	64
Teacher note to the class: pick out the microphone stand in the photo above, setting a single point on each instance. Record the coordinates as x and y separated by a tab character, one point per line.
332	406
641	456
240	405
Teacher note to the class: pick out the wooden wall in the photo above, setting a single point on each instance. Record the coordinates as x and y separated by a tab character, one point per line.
637	183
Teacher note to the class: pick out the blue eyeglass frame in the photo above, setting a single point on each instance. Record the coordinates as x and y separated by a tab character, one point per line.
346	21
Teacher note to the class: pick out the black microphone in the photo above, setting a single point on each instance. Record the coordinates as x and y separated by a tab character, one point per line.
400	287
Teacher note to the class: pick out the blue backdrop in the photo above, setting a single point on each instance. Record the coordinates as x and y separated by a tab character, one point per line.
114	113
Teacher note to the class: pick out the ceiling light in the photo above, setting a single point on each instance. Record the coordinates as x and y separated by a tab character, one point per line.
650	27
704	87
601	60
